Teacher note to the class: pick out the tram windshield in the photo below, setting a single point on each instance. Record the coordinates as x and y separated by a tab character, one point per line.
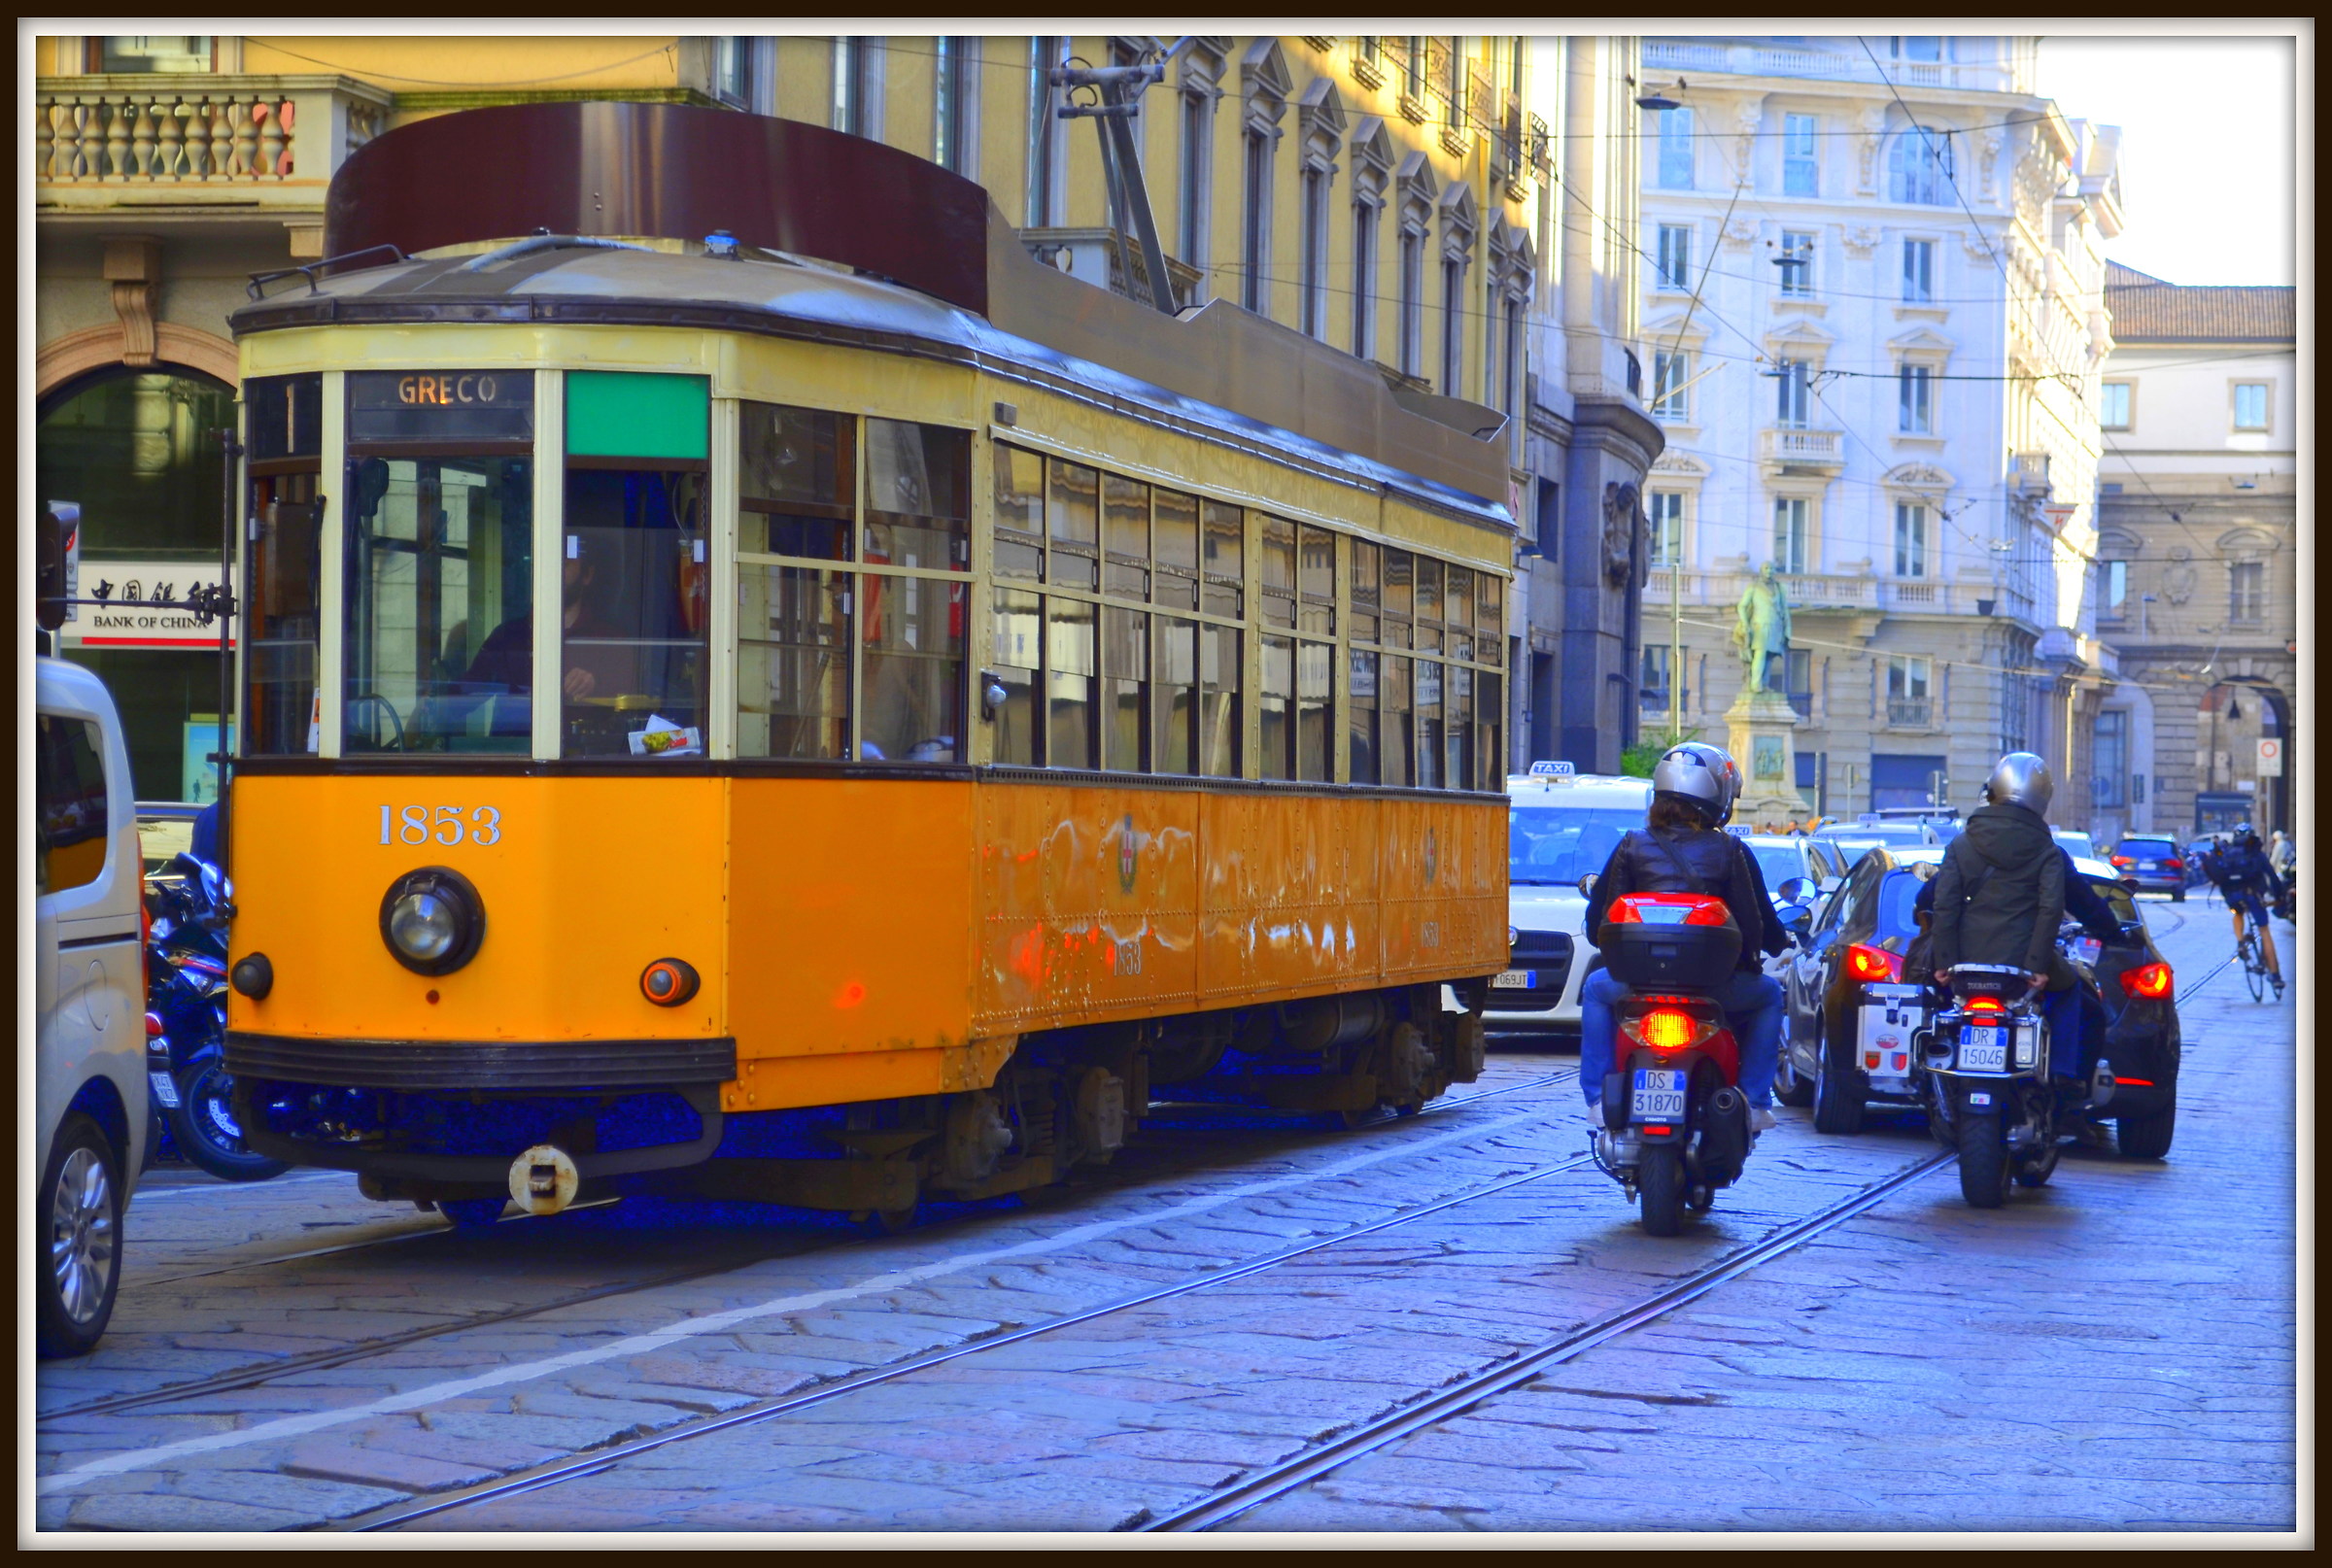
440	631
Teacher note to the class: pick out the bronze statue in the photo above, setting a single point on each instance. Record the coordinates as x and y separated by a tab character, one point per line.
1761	631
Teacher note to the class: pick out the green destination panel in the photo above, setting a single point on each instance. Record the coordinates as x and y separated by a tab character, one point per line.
621	413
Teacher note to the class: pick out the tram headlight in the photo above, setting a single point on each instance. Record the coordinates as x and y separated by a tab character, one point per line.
432	920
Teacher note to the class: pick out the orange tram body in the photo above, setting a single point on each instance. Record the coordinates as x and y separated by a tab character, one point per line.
975	708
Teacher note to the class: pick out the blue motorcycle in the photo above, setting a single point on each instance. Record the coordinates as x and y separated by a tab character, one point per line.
185	1022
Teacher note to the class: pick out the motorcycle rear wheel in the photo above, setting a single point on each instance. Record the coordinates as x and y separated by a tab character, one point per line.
1660	1184
1984	1163
204	1127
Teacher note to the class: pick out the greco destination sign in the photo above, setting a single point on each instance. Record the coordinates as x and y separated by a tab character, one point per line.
447	405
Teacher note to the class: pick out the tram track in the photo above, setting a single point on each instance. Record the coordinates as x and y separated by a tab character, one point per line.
1429	1408
257	1374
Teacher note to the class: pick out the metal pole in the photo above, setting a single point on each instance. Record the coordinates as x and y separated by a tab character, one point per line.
1677	640
230	449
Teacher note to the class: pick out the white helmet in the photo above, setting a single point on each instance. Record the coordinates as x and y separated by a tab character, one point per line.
2020	778
1701	775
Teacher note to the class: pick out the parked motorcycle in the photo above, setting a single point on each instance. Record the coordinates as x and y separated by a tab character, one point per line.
185	1022
1676	1123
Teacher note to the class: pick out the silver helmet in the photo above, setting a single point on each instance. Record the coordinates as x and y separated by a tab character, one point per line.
1701	775
2023	779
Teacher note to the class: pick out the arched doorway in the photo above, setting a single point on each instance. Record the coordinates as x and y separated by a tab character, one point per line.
2237	714
137	449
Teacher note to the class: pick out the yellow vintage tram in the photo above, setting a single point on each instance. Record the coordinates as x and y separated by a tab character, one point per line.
796	705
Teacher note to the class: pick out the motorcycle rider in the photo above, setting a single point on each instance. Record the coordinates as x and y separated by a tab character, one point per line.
2001	897
1679	850
2242	871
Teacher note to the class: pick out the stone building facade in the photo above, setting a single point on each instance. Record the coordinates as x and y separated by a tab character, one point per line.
1872	333
1393	195
2198	569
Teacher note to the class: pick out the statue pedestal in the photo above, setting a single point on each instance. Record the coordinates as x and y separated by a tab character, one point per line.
1760	731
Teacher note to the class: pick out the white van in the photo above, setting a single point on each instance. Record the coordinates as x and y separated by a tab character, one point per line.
89	986
1560	826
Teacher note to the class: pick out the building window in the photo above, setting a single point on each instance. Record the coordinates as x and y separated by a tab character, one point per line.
2250	405
1312	245
1918	271
1045	146
733	71
1550	517
1801	171
1453	325
1928	49
1675	149
1796	262
1365	215
1919	168
1197	183
2114	411
1917	409
1413	300
1910	539
2112	590
854	108
2109	756
1255	250
1665	509
144	55
1652	686
1453	85
1413	68
1670	400
1511	385
1793	532
1793	395
1907	701
953	95
1798	680
1675	255
2246	590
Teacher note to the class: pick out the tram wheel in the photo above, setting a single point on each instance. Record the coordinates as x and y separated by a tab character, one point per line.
887	1221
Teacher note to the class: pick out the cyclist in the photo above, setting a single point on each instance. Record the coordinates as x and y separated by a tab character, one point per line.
1679	850
2241	873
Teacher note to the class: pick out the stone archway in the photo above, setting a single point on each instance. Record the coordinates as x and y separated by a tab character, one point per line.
2235	713
66	359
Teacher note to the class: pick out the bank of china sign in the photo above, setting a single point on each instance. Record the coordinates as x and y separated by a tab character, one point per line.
145	606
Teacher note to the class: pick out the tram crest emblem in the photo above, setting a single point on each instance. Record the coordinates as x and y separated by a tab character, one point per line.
1432	855
1126	854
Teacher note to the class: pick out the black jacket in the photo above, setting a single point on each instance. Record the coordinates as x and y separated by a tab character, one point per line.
2082	901
2238	867
1718	865
2001	894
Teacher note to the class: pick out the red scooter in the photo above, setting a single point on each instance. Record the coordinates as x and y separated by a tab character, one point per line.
1676	1122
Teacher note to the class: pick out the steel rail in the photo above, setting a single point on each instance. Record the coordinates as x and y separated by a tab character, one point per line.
606	1458
1443	1404
251	1377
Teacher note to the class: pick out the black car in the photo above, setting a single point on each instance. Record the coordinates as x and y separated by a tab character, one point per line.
1847	1038
2154	861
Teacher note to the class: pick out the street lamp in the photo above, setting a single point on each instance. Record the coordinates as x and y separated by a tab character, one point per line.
1655	98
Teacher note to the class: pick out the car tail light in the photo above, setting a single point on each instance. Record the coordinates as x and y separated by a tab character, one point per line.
2149	980
2173	863
1872	964
1668	909
2121	860
2137	1083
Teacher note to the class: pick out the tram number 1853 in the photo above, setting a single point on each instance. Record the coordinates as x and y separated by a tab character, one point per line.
443	824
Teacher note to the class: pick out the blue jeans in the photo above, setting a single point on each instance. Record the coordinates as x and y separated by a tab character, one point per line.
1752	1004
2076	1030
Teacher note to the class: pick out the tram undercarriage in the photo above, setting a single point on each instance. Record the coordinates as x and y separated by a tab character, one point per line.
1064	1099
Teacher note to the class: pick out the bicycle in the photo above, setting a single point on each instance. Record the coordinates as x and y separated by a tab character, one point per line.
2254	962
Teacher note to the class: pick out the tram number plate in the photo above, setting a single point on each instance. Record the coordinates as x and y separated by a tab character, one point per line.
1658	1095
1515	981
480	825
1983	1048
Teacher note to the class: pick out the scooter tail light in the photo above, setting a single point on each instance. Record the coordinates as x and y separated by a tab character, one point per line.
1872	963
154	1026
1985	1005
1667	1029
2151	981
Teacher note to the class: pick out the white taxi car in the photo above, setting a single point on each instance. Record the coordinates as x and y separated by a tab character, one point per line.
89	993
1560	826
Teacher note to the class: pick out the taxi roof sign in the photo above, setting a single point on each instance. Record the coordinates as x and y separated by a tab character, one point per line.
1542	769
1739	830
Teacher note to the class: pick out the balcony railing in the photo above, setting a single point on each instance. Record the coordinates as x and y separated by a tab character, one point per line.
1821	446
1910	712
1833	65
114	142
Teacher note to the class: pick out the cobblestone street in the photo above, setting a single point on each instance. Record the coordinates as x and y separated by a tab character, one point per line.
2114	1351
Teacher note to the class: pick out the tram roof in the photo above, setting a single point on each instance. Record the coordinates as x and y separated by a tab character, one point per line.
675	173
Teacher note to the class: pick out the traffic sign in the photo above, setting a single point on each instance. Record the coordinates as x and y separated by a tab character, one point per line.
2271	757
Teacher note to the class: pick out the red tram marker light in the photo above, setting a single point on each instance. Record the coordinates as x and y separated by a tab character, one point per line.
668	982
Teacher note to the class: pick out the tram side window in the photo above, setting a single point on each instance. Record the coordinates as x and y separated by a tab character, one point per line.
635	566
914	628
283	594
437	622
792	655
1274	699
1360	718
